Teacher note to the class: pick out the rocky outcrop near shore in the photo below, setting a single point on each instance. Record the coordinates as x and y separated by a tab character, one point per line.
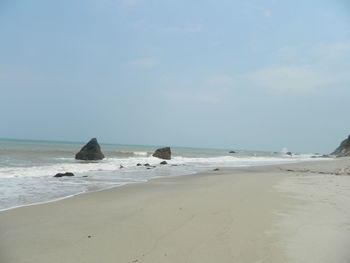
343	149
163	153
90	151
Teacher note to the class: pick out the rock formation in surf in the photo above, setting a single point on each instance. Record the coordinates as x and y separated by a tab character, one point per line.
343	149
91	151
163	153
63	174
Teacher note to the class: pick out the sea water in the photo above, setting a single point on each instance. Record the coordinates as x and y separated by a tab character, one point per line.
27	168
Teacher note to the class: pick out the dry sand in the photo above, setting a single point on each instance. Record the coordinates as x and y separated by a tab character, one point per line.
285	213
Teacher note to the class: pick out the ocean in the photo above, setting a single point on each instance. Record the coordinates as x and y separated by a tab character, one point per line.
27	167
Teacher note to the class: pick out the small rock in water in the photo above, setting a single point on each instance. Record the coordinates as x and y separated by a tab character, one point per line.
63	174
232	152
163	153
216	169
121	167
289	153
138	164
146	164
164	162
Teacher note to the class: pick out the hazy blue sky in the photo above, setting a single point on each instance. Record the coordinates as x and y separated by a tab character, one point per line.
257	75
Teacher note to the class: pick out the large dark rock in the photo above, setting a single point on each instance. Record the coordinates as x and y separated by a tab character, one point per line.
163	153
63	174
91	151
343	149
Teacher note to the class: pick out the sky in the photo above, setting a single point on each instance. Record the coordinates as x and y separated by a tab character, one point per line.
253	75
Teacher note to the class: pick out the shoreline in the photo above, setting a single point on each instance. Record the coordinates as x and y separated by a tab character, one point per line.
155	178
231	215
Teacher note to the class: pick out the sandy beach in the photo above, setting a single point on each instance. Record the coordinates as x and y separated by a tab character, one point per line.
282	213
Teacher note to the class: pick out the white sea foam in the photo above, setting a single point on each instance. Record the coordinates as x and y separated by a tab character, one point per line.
140	153
113	164
284	150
